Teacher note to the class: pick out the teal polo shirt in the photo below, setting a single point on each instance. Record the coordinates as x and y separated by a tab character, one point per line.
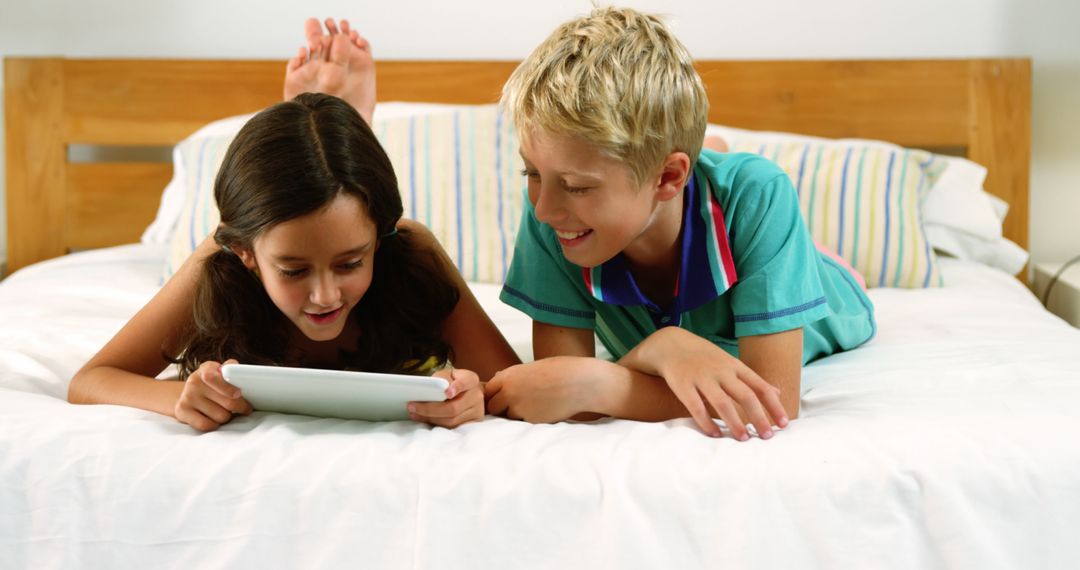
748	267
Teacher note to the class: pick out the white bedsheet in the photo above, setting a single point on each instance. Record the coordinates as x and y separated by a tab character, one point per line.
946	442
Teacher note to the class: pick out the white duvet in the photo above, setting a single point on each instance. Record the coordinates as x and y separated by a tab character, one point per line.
949	441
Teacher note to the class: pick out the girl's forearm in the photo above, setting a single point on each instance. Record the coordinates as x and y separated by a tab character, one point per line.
106	385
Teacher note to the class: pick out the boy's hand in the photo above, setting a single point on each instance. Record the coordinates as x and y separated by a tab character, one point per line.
208	401
703	376
546	391
464	403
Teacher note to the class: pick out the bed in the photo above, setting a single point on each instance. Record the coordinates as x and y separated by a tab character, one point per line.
942	443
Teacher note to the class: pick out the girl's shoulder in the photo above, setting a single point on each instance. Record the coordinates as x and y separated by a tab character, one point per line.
420	234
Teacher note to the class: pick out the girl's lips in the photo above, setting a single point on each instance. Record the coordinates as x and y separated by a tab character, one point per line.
570	239
324	318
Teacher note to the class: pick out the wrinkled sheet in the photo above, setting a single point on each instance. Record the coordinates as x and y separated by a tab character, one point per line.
948	441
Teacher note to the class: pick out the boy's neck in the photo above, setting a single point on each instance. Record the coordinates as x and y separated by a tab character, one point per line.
654	257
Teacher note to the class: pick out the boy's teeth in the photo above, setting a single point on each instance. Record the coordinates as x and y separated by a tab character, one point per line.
571	235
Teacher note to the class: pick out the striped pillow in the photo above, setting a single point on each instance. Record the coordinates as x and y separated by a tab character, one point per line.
457	167
861	199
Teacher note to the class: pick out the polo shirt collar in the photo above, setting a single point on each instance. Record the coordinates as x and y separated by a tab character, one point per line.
707	269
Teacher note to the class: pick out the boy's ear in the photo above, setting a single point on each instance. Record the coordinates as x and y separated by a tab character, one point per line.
673	175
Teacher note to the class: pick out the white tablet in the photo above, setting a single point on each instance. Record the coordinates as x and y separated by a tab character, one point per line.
333	393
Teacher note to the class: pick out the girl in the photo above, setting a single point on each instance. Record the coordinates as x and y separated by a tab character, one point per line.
311	266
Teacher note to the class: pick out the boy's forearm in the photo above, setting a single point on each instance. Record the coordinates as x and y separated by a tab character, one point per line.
631	394
113	386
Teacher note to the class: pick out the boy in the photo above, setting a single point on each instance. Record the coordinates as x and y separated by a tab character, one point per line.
694	268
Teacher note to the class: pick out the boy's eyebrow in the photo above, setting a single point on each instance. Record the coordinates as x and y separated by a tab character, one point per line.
348	253
592	175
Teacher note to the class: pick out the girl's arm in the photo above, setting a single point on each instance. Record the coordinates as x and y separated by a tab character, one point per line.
123	371
476	343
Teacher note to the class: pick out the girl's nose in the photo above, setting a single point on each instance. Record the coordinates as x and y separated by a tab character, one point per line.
325	292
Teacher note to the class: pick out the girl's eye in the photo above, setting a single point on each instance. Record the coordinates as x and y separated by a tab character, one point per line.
291	273
353	265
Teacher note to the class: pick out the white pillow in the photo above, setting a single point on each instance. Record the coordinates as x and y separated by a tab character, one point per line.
960	218
173	198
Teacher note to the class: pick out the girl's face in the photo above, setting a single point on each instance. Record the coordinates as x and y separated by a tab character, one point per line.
317	267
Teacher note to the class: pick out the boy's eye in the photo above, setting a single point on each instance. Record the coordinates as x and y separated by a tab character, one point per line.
530	173
576	189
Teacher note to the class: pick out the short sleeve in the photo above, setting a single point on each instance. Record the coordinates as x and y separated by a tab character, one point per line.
779	287
539	281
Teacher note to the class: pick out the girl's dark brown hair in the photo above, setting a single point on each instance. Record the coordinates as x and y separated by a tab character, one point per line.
289	160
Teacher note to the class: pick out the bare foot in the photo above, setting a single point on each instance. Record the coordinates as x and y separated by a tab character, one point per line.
338	63
716	143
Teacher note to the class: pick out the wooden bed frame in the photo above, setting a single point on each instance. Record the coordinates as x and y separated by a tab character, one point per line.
976	108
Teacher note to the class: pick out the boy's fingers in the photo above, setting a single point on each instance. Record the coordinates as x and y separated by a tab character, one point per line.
492	387
724	407
496	404
693	403
748	400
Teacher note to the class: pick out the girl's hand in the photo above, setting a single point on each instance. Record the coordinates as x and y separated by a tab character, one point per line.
545	391
208	401
464	403
704	376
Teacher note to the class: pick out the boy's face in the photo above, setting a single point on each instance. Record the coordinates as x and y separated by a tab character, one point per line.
590	199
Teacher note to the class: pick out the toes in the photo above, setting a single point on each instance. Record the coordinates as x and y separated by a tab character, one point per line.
332	27
298	60
312	30
339	51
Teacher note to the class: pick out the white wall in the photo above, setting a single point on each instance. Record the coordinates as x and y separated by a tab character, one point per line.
493	29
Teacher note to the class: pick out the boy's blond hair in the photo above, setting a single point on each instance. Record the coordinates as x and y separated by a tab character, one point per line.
618	79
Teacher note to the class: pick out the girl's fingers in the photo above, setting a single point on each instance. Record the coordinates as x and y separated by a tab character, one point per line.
196	420
212	378
213	410
461	381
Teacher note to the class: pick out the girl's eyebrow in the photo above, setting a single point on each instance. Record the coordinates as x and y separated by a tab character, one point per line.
348	253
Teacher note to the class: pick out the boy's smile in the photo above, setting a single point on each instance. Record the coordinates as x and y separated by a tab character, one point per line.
594	205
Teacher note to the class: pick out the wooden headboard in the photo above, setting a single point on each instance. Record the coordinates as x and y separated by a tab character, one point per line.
975	108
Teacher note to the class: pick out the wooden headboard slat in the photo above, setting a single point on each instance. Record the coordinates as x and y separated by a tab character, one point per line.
112	203
160	101
910	103
979	107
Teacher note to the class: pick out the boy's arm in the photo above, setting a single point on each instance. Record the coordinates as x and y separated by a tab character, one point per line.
568	383
778	359
708	381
